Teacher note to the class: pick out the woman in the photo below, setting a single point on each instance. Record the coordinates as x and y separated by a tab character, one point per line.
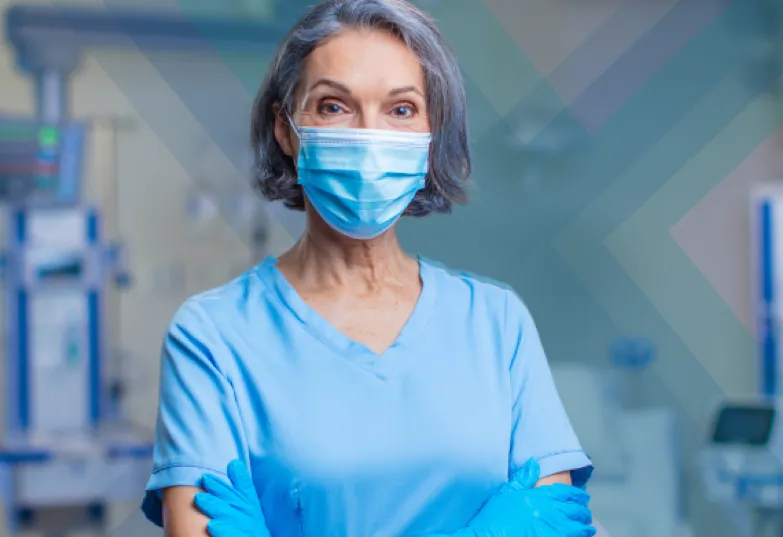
370	393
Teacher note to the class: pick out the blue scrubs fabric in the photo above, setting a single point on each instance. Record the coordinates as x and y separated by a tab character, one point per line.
344	442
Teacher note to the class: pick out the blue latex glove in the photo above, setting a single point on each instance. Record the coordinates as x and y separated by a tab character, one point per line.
234	507
518	509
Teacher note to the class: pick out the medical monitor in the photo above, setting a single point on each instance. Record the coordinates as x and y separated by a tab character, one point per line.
40	164
744	424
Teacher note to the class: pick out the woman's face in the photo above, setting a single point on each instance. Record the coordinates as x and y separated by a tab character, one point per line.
362	80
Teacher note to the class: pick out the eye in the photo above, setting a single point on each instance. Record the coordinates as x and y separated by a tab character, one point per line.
404	110
330	108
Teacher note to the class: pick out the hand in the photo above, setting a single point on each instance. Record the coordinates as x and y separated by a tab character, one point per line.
519	509
234	507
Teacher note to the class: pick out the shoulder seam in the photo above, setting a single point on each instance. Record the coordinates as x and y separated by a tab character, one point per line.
212	326
467	275
210	293
520	348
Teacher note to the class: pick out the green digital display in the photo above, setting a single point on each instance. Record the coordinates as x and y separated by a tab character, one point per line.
48	137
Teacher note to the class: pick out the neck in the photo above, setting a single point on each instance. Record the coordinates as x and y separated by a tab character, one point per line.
325	259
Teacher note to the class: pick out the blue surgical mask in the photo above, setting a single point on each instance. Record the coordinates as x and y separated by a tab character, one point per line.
361	181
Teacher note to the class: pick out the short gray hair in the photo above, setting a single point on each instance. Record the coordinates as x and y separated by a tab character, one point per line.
449	153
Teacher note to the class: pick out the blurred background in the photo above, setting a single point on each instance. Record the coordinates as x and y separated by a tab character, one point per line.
627	159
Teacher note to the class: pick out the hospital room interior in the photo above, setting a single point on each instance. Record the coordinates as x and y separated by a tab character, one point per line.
628	164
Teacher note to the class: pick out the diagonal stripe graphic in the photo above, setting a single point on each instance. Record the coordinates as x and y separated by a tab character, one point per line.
666	156
646	118
650	244
494	63
686	20
626	25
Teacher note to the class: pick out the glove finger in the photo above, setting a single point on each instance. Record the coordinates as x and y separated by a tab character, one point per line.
219	488
577	513
527	476
212	507
565	493
584	531
569	528
240	477
235	528
223	529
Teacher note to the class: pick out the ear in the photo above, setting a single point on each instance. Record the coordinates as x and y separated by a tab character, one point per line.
283	132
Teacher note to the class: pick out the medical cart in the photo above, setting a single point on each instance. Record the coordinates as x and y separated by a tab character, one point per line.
741	463
60	447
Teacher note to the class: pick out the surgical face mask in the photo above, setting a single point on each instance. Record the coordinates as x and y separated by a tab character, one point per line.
361	181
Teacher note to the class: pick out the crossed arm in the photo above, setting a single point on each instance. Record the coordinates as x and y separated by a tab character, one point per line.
180	516
182	519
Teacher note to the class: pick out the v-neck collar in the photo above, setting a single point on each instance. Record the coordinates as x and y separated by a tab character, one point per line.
321	329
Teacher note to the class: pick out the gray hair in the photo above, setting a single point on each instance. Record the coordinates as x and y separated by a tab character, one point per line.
449	166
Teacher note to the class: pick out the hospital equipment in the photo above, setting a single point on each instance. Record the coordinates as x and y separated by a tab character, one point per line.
636	488
767	262
61	444
222	194
740	463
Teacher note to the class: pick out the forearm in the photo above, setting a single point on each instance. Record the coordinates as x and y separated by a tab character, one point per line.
180	516
235	504
563	478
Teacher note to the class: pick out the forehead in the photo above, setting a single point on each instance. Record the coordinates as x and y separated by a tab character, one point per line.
365	60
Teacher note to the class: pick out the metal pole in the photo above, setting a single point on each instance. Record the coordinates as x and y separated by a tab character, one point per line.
51	96
776	8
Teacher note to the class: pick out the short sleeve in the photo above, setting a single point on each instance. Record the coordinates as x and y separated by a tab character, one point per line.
198	427
540	427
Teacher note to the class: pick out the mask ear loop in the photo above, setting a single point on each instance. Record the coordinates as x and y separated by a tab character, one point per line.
298	135
291	121
293	125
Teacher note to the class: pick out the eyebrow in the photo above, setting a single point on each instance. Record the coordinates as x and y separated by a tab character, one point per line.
344	89
406	89
332	84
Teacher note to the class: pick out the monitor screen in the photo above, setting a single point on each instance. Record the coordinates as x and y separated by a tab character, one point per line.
38	161
746	425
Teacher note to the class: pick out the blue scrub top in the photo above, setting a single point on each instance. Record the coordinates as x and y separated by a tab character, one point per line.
341	441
